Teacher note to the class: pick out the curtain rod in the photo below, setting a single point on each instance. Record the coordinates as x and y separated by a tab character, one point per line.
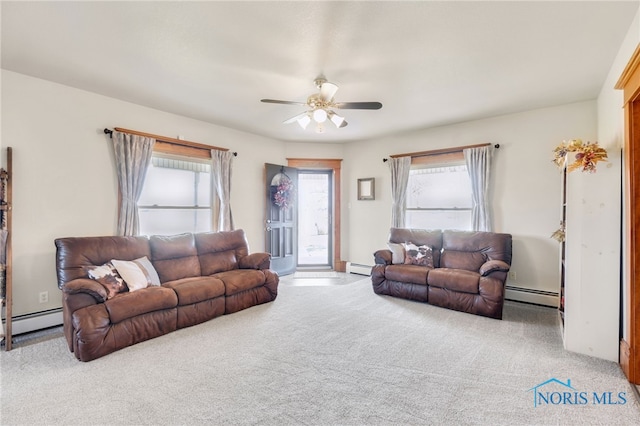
166	139
439	151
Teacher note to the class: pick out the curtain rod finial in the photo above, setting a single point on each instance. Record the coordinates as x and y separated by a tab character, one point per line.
497	146
384	160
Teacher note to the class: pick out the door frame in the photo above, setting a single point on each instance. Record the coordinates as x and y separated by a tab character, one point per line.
335	165
629	82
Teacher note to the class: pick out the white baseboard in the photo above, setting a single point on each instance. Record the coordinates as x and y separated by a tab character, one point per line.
527	295
37	321
357	268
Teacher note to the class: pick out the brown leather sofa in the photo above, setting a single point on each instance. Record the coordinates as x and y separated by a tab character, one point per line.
468	274
201	276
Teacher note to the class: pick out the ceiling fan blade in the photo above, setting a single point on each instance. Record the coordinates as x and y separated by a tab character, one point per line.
276	101
328	91
296	118
358	105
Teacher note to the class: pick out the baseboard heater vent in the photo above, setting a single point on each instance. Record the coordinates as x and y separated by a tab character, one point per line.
357	268
529	295
36	321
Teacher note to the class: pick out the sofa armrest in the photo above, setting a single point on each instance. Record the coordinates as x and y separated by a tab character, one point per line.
492	266
255	261
383	257
88	286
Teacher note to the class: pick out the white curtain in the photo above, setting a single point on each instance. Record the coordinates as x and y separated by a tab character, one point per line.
479	167
221	162
399	167
133	155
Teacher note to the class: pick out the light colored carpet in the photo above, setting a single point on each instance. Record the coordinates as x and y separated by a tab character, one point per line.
319	355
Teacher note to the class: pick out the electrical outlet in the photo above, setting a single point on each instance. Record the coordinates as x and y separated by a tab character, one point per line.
43	297
512	275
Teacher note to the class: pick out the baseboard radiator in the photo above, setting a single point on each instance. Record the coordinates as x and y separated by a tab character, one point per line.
357	268
528	295
37	321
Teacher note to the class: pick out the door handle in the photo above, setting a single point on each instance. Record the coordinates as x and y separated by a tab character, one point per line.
268	228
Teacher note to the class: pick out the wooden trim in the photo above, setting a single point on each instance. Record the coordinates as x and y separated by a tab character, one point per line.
181	150
8	338
315	163
630	344
625	356
172	141
438	151
449	157
334	164
629	70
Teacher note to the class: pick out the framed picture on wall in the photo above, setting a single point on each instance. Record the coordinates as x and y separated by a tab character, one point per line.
367	189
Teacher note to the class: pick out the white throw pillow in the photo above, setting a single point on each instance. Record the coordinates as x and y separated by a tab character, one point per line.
397	253
138	273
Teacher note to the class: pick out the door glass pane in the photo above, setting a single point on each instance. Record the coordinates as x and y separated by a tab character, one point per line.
313	218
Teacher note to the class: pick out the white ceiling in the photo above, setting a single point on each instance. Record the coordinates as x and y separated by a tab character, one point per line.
429	63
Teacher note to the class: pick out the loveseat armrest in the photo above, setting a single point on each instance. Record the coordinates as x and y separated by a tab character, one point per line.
255	261
383	257
87	286
493	266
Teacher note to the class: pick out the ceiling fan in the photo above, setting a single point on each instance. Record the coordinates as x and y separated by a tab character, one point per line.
321	107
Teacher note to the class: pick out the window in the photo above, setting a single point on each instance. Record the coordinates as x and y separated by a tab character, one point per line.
439	197
176	197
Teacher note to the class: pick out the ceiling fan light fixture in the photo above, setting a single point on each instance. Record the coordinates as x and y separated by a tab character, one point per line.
320	105
336	119
320	115
304	121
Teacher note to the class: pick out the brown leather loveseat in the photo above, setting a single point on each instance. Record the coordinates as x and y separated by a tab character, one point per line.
460	270
171	282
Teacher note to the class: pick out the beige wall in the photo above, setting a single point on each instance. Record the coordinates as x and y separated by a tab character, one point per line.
526	184
64	177
611	135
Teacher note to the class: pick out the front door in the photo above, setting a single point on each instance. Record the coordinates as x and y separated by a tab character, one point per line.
281	233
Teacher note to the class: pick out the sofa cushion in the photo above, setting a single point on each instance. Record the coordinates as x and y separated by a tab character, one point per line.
150	299
418	255
107	275
211	263
175	256
467	260
454	280
240	280
407	273
470	249
196	289
75	254
221	251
